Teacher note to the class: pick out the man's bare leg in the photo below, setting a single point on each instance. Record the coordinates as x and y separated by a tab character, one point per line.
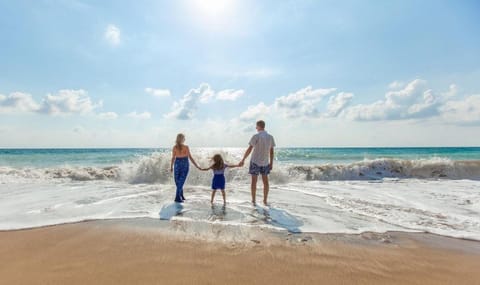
266	188
254	187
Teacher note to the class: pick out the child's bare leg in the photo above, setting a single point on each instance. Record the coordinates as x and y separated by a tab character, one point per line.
213	196
224	199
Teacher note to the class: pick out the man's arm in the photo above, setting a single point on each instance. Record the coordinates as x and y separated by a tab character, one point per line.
247	153
271	157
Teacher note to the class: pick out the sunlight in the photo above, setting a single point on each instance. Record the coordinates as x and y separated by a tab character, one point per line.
213	14
213	8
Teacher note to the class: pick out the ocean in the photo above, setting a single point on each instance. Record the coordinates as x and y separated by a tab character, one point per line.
323	190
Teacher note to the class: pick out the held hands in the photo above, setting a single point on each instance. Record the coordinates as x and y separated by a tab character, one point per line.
242	162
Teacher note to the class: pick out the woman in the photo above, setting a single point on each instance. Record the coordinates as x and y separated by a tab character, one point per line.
180	156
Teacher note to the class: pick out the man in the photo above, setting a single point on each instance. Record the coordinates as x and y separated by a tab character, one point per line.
261	162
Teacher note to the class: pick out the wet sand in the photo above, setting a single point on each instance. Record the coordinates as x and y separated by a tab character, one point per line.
133	252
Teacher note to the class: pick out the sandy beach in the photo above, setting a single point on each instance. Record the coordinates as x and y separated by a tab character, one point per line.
122	252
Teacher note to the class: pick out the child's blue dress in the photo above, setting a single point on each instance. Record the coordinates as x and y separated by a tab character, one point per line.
218	181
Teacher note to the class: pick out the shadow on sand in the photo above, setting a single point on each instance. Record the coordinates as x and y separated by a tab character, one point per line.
171	210
278	218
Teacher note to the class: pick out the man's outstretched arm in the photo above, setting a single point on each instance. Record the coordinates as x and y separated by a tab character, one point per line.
247	153
271	158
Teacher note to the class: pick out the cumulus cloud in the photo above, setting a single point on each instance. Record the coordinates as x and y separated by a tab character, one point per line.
396	85
303	103
139	116
68	102
157	92
336	104
452	92
185	108
415	100
255	112
229	94
112	34
466	111
108	116
18	102
64	102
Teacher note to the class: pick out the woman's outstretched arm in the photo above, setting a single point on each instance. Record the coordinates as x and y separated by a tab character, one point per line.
173	159
191	158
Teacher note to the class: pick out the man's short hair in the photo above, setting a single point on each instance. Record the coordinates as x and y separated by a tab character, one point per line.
261	124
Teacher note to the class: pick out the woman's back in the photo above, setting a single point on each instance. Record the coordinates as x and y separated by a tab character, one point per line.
180	151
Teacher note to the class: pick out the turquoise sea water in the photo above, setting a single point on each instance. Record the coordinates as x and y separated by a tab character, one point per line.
114	156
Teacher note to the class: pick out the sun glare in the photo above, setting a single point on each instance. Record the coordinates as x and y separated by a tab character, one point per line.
213	8
212	13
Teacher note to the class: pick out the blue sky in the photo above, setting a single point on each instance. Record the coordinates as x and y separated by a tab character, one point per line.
322	73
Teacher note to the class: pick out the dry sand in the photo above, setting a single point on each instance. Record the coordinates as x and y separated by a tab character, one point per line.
102	253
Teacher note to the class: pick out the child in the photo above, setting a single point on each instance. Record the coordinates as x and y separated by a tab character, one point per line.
218	181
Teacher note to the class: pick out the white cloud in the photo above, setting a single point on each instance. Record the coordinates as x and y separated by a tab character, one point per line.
157	92
452	92
68	102
303	103
206	93
184	109
140	116
112	34
466	111
65	102
396	85
415	100
229	94
255	112
108	116
18	102
336	104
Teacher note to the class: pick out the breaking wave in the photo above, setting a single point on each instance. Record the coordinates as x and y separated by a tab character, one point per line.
154	168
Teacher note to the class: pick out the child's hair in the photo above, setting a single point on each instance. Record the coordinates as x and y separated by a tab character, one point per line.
218	163
179	141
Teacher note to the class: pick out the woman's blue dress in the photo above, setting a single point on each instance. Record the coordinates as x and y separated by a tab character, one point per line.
180	175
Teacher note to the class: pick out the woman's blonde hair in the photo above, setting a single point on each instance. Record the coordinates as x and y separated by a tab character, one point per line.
218	163
179	141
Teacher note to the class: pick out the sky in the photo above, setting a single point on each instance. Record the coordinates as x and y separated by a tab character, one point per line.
320	73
